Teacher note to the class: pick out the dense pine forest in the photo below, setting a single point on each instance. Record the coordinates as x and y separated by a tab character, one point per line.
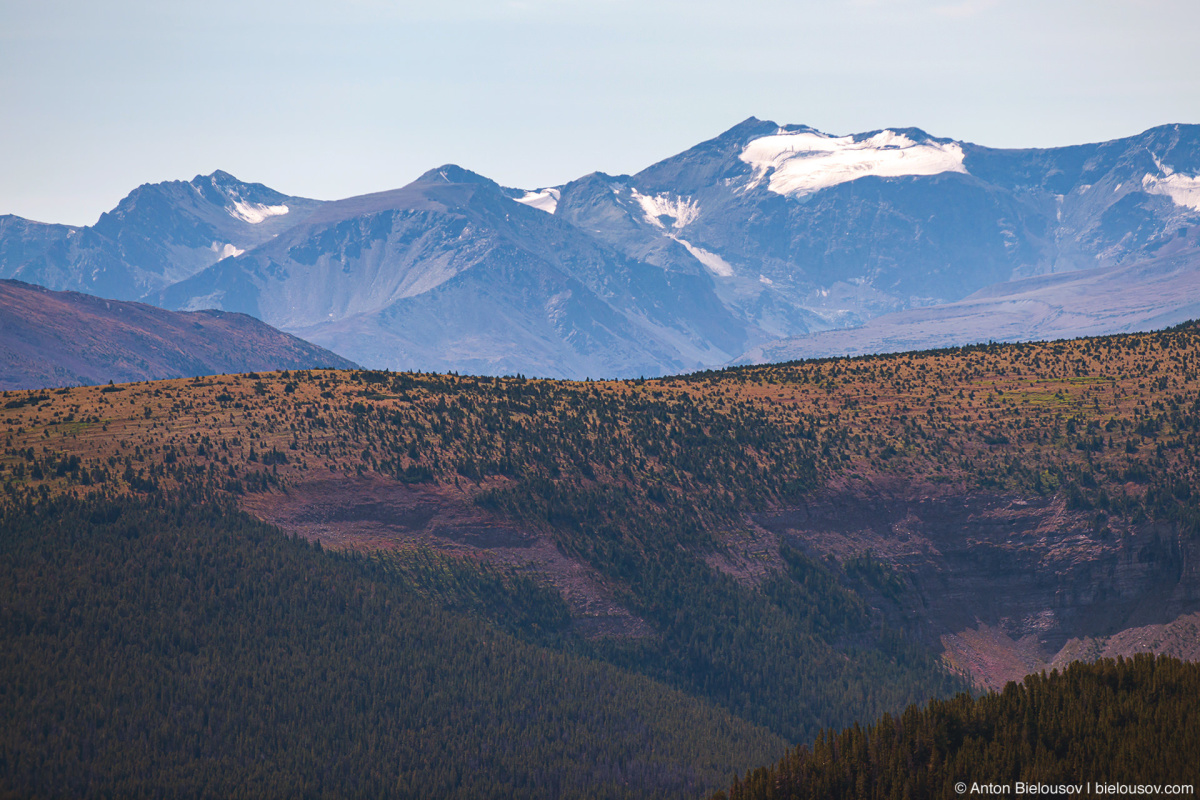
1127	723
145	615
187	651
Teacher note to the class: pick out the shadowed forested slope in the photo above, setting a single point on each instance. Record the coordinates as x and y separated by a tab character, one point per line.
1132	722
188	651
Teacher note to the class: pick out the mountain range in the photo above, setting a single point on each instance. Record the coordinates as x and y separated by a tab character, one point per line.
755	244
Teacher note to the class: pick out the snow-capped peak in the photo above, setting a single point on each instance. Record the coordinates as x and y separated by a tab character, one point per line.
804	162
543	200
234	198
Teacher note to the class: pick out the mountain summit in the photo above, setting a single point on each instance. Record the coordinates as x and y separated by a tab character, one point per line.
160	233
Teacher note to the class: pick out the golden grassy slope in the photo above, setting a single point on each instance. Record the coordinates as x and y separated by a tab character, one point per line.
1023	417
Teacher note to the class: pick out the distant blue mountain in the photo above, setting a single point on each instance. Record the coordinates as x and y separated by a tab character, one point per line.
763	233
159	234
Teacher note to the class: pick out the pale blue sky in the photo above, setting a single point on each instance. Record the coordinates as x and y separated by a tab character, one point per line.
333	99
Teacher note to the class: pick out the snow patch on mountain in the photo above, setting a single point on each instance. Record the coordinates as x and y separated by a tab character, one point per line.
716	264
225	251
1183	189
543	200
254	213
806	162
681	211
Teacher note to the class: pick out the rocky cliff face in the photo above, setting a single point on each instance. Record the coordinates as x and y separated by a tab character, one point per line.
1004	584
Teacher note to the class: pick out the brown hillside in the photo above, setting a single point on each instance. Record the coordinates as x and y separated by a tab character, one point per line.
1003	503
67	338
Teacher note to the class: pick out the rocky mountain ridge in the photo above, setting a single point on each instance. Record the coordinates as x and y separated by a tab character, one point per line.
159	234
763	233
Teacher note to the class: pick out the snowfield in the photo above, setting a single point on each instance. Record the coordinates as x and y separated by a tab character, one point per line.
1183	189
254	213
806	162
544	200
225	251
715	264
682	211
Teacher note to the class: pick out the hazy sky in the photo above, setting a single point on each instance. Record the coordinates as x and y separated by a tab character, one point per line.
329	100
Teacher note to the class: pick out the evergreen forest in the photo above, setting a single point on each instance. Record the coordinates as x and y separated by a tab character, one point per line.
160	640
1132	723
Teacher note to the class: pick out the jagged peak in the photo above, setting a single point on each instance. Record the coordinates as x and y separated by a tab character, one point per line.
217	176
